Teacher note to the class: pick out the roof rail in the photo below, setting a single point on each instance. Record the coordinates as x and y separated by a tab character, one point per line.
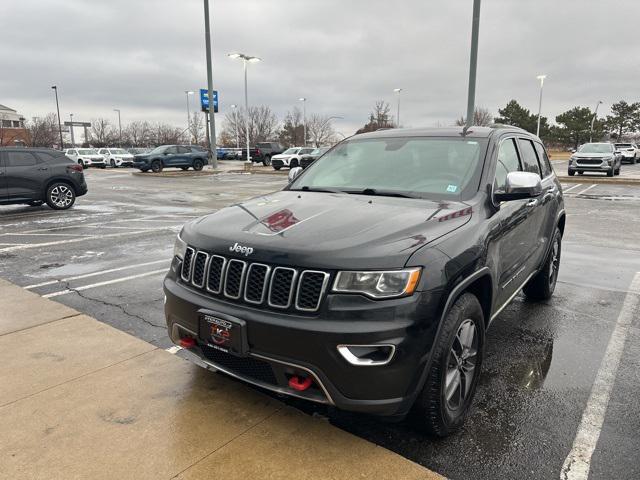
504	125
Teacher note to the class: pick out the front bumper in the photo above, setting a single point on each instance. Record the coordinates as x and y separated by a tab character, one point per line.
581	167
288	344
139	164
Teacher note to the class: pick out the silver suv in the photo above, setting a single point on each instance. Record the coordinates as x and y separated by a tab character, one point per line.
596	157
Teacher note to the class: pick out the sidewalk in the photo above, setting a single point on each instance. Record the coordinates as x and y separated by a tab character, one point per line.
79	399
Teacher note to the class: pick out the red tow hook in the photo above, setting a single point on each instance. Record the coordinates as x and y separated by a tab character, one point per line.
300	384
187	342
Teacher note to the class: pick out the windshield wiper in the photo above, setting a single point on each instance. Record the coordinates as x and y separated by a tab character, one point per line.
381	193
306	188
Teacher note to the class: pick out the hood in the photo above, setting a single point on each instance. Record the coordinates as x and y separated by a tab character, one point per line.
592	155
281	156
325	230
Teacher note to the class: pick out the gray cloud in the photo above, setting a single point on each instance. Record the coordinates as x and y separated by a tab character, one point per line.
140	55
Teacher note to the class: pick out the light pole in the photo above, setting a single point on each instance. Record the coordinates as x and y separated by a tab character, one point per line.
235	120
55	89
304	118
187	93
212	117
595	115
473	65
541	78
119	127
398	90
245	59
73	140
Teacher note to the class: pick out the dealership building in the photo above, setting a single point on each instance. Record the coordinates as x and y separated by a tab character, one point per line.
12	130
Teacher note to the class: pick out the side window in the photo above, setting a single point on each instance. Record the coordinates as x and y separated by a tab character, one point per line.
102	151
21	159
507	162
529	157
184	150
71	151
172	150
545	164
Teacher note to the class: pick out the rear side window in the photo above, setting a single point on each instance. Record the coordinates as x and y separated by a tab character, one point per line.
545	164
21	159
529	157
171	150
507	162
184	150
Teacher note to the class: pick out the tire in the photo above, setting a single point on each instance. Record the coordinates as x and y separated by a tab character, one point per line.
156	166
144	170
580	172
198	164
184	169
102	167
293	163
60	196
438	411
277	168
610	173
543	284
266	161
36	203
571	173
617	172
113	163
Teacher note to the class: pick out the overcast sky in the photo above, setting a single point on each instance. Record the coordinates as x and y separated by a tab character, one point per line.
343	55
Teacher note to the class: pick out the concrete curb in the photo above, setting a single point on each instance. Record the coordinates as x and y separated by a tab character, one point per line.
201	173
262	172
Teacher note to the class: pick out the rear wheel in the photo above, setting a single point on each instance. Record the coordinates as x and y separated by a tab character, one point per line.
277	168
444	402
198	164
113	163
293	163
543	284
266	161
156	166
610	173
60	196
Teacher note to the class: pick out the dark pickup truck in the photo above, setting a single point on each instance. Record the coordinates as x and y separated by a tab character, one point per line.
262	152
369	281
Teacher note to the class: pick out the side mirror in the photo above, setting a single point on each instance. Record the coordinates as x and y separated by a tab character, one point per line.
617	152
294	172
520	185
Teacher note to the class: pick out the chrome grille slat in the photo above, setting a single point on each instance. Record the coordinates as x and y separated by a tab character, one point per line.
234	278
256	283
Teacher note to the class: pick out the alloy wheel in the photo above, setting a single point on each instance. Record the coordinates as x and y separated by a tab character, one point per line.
461	366
61	196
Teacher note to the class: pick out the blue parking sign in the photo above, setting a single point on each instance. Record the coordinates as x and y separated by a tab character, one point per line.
204	100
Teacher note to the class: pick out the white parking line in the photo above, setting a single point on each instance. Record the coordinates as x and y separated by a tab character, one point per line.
102	284
572	188
93	274
587	189
577	464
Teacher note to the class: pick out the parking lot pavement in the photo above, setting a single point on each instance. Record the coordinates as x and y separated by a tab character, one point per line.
543	366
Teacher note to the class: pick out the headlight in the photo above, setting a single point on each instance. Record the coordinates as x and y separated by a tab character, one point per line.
381	284
180	248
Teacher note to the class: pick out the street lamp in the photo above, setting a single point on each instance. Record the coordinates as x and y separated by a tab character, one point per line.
541	78
235	119
304	118
397	91
593	120
119	127
245	59
55	88
187	93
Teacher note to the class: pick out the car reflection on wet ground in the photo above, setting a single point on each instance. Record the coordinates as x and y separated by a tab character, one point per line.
107	256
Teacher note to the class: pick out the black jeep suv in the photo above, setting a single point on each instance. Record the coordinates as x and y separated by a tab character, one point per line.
369	281
37	175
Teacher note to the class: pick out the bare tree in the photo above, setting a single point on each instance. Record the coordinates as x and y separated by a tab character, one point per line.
165	134
481	118
43	131
138	134
320	130
196	128
102	132
378	118
263	125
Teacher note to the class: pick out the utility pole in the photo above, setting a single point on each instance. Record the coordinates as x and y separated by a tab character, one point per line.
473	65
55	88
212	118
595	115
73	141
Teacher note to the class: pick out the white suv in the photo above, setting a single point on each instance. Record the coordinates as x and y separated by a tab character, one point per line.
629	152
290	158
87	157
117	157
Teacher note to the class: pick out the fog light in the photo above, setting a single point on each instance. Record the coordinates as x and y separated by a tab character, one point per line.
187	342
367	355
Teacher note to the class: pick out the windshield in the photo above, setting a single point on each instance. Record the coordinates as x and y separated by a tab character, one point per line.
623	145
596	148
290	151
119	151
159	149
87	151
436	168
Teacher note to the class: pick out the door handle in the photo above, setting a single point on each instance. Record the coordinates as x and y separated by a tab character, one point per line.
532	203
43	168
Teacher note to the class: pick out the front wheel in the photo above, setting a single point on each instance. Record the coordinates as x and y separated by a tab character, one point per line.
60	196
156	166
444	402
543	284
197	165
293	163
113	163
610	173
277	168
571	173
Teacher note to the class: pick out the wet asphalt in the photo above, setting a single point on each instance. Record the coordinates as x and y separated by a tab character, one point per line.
541	359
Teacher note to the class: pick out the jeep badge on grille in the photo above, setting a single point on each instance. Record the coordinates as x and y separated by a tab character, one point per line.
236	247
